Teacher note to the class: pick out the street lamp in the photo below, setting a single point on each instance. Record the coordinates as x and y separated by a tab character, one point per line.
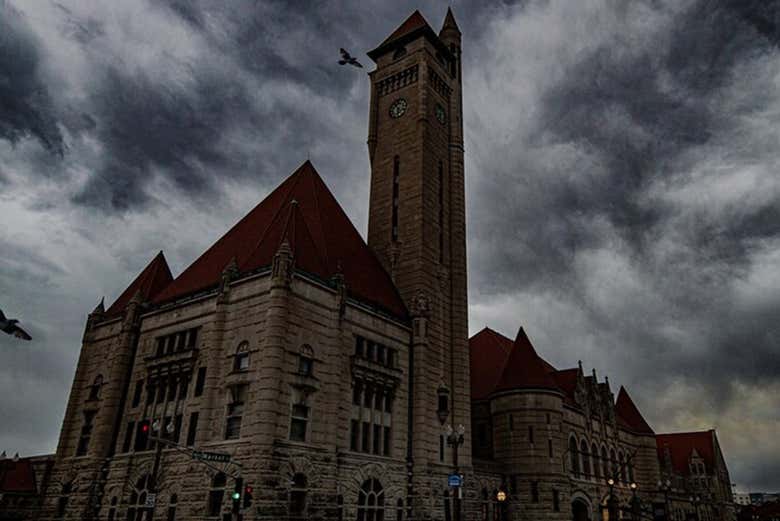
665	486
455	439
695	501
612	511
501	498
636	504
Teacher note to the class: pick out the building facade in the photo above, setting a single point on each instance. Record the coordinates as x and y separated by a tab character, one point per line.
315	374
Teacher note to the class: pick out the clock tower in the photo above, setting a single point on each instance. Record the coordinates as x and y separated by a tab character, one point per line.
417	227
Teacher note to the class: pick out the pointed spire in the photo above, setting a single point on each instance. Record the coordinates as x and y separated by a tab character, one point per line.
628	411
100	308
524	368
449	23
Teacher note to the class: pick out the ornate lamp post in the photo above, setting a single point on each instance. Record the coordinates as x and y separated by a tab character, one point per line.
636	503
696	501
501	498
612	507
455	439
665	486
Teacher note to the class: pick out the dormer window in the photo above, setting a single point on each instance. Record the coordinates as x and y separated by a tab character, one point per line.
241	361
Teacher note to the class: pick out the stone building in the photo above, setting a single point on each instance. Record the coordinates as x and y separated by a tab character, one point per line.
694	469
22	485
325	369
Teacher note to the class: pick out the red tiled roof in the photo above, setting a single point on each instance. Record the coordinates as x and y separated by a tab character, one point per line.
153	279
681	446
566	379
524	368
414	22
488	352
629	413
304	212
17	476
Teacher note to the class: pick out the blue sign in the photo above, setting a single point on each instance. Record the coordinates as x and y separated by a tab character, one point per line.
455	480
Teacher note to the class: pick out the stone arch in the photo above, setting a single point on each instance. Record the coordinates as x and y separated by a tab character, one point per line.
351	488
298	465
581	505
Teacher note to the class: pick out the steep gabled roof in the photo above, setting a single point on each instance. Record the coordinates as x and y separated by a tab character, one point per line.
449	22
324	242
682	444
153	279
524	368
629	413
488	352
18	477
414	26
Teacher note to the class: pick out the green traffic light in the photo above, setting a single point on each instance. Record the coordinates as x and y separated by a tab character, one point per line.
236	495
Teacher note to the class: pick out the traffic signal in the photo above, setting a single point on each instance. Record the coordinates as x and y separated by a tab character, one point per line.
247	496
237	495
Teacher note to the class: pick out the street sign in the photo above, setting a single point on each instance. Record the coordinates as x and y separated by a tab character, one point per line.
210	456
455	480
151	499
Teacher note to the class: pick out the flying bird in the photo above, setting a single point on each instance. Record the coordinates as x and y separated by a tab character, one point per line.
8	325
347	58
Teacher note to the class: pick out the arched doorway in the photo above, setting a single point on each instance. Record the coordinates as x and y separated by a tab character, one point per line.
580	510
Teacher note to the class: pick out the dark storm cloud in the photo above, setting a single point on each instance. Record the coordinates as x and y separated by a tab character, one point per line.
25	103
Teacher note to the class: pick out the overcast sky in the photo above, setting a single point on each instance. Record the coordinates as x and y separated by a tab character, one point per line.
621	167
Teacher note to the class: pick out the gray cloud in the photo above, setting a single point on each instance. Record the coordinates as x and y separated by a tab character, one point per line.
25	109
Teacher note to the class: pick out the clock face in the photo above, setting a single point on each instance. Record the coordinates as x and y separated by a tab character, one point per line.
440	114
398	108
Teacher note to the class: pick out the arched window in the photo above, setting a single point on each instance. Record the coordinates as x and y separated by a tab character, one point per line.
574	456
604	463
596	465
371	501
94	389
585	458
112	509
297	505
136	507
306	360
241	360
172	507
399	510
217	494
622	463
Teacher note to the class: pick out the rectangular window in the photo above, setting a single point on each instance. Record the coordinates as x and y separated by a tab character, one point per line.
368	397
139	389
128	437
86	433
184	385
150	392
441	212
200	381
357	388
215	502
177	428
441	447
235	411
173	389
550	448
386	440
160	346
192	337
511	422
380	354
298	422
192	428
180	341
548	418
534	491
370	350
161	386
366	433
531	434
377	438
389	402
379	400
391	358
170	345
556	501
354	435
396	190
359	345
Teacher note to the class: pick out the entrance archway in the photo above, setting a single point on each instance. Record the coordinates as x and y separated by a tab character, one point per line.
580	510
